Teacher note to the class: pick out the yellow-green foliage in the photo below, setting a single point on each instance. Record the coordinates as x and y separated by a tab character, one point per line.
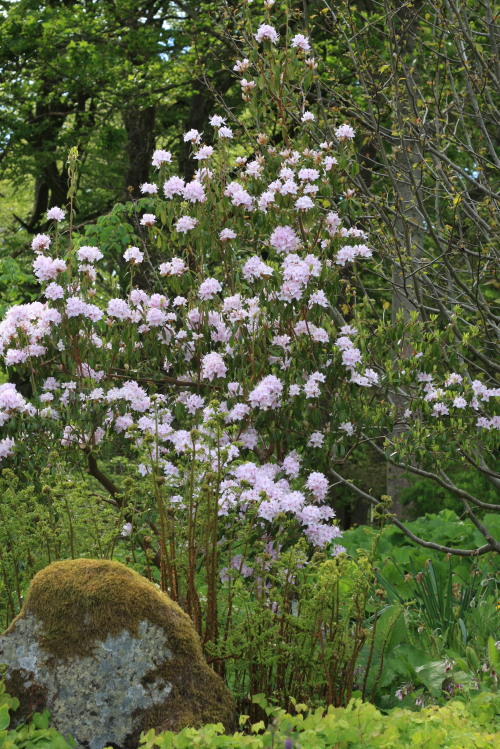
360	725
80	602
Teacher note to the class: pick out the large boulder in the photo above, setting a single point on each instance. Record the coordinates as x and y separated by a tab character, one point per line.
110	656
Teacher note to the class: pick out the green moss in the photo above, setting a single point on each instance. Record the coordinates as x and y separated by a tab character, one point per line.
198	697
81	602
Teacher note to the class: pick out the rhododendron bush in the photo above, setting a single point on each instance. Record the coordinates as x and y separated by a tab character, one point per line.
249	352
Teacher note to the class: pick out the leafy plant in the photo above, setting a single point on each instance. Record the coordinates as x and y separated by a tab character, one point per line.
457	725
35	734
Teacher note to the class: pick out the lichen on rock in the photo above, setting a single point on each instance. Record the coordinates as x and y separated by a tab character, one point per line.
109	655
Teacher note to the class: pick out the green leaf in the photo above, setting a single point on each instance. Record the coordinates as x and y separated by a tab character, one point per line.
260	726
493	654
4	717
41	720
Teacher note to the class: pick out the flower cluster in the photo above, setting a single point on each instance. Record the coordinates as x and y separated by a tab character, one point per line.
248	307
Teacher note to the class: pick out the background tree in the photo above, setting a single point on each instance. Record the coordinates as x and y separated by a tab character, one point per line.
108	77
423	87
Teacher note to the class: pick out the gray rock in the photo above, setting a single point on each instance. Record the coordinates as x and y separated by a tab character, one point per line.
109	656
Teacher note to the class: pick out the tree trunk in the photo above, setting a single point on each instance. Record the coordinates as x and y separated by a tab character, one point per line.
409	222
139	124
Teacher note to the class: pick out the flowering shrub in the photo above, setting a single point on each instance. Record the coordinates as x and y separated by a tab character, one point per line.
253	315
246	353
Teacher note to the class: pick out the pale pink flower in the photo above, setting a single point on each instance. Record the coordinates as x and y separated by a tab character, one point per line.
266	33
147	188
351	356
212	365
205	152
255	268
316	439
267	394
133	255
14	356
185	224
194	403
161	157
10	398
225	132
347	427
138	296
299	41
217	121
6	447
249	438
311	388
348	330
291	464
344	132
46	269
238	195
194	192
118	308
237	413
332	221
192	136
453	379
227	234
284	239
307	117
241	65
266	199
483	422
308	175
289	187
149	219
173	186
209	288
40	243
304	203
54	291
247	86
253	168
176	267
319	298
89	254
317	483
55	214
155	317
75	306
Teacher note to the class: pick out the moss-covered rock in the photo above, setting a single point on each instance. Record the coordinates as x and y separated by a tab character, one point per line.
109	655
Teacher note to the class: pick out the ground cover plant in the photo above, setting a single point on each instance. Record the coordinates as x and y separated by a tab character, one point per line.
198	368
458	725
